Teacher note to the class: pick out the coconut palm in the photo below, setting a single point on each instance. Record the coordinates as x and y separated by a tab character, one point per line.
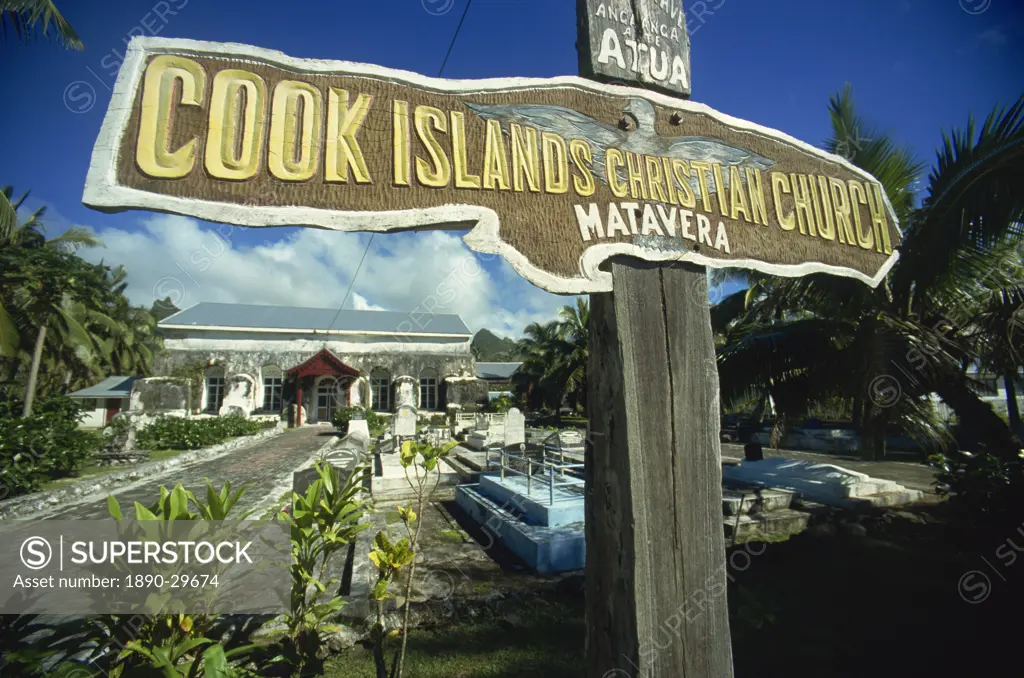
26	15
31	232
535	378
886	350
554	368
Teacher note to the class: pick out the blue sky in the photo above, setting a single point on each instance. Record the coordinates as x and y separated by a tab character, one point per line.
917	68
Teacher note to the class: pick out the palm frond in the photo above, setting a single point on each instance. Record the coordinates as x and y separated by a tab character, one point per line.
25	15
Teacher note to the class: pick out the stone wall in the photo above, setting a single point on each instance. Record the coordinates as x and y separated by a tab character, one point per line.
404	367
466	391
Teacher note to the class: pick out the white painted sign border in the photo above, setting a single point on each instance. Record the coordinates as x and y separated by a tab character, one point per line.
104	192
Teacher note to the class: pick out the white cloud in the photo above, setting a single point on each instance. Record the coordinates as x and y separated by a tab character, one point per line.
416	272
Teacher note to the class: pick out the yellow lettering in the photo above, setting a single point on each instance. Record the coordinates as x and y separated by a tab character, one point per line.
841	207
681	171
701	169
670	184
556	163
525	158
463	179
723	205
438	172
236	110
756	191
635	172
582	156
736	196
654	179
294	152
780	184
613	159
401	147
495	158
826	225
865	241
343	124
802	204
876	205
152	154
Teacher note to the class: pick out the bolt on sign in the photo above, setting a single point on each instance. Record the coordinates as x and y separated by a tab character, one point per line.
556	175
635	41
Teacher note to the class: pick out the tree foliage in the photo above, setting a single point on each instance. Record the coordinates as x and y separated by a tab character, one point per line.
950	301
92	331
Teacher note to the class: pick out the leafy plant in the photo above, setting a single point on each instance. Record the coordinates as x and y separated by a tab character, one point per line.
343	415
176	645
391	557
178	433
986	486
45	445
323	520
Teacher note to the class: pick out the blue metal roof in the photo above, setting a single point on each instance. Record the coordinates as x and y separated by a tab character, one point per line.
111	387
250	316
496	370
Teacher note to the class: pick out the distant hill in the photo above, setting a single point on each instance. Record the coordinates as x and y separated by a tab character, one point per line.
490	348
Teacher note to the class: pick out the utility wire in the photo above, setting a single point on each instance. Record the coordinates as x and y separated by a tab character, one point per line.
440	72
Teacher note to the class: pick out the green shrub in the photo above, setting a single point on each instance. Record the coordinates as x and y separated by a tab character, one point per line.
438	420
44	446
375	423
343	415
176	433
983	485
501	404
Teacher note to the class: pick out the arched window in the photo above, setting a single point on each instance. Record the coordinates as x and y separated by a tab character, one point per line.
380	390
214	389
428	389
273	386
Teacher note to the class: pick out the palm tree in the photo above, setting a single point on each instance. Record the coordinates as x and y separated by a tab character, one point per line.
534	377
554	354
32	232
572	351
24	15
27	235
885	350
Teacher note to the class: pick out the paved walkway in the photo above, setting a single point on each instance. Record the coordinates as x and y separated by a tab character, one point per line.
265	468
915	476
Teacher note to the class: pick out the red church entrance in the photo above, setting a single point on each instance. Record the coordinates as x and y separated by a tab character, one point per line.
331	393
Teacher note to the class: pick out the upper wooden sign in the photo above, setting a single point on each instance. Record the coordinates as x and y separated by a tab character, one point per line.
642	42
555	175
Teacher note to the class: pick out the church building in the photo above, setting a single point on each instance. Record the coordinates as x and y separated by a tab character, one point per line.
262	359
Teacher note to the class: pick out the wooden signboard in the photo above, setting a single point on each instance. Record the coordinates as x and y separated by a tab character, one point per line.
556	175
584	187
635	41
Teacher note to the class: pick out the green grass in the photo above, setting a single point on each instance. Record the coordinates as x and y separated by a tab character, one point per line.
549	643
452	536
885	606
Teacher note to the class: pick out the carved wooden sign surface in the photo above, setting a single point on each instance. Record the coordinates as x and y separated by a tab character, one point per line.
556	175
643	42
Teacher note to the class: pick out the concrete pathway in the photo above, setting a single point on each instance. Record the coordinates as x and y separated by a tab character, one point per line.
912	475
265	468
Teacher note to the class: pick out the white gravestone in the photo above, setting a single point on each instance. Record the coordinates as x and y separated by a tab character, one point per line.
515	428
405	422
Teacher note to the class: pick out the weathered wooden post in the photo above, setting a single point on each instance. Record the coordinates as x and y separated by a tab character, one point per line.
623	193
655	596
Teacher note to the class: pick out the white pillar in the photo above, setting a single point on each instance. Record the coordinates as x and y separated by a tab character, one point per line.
355	392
